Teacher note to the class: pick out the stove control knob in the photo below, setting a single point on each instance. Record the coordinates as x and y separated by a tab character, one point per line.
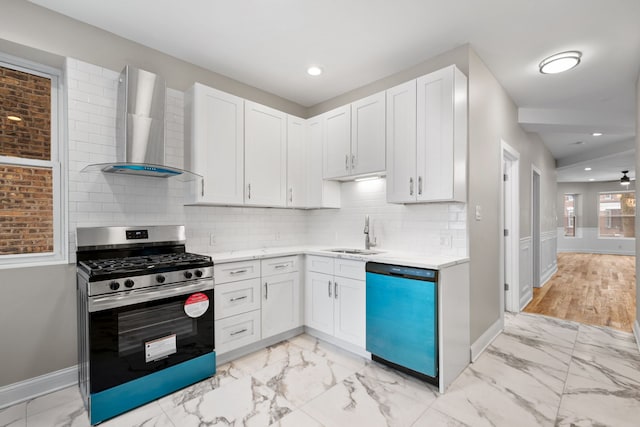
128	283
160	278
188	274
114	286
198	273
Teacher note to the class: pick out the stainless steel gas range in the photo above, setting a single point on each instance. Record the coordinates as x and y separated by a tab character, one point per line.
145	316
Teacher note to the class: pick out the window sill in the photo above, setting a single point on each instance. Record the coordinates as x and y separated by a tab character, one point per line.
28	264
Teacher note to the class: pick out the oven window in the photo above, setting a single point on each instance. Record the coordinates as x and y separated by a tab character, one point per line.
146	324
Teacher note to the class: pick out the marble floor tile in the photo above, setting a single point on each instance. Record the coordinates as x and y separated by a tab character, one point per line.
70	414
245	402
260	359
434	418
297	418
608	342
14	416
549	330
54	400
149	415
373	397
302	376
329	351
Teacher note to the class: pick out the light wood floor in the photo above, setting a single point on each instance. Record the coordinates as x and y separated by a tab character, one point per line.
590	288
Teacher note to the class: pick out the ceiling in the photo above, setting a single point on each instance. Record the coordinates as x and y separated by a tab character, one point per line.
269	45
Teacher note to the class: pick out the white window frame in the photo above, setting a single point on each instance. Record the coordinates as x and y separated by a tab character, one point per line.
572	218
609	217
56	163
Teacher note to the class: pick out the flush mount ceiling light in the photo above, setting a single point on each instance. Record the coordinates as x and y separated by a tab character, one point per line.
314	70
592	179
587	169
625	180
597	134
560	62
14	118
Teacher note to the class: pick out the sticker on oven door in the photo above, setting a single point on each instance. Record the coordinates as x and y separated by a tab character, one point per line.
159	348
196	305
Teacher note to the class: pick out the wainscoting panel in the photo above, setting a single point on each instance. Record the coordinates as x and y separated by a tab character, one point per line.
548	255
587	241
526	273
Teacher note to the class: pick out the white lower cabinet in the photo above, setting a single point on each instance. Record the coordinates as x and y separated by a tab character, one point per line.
280	295
237	331
335	298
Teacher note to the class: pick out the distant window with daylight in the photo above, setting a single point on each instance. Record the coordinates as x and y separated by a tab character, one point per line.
570	215
30	196
617	214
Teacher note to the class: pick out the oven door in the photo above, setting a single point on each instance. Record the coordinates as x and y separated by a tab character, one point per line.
145	331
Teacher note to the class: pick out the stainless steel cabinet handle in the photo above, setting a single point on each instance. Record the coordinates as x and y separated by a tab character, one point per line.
238	332
238	298
291	194
266	290
329	288
411	186
202	187
353	161
346	162
419	185
279	266
249	191
335	290
244	270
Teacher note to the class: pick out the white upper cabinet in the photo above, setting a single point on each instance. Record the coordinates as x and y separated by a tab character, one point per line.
354	142
296	162
214	145
427	144
337	142
320	193
265	156
368	135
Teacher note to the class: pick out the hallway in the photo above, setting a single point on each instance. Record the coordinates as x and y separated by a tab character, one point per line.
594	289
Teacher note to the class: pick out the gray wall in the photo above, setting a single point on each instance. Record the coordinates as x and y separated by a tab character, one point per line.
30	25
587	209
637	325
492	118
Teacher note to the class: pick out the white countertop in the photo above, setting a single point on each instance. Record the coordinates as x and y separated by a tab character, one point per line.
410	259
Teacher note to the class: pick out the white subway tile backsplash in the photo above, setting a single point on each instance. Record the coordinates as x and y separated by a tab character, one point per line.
97	199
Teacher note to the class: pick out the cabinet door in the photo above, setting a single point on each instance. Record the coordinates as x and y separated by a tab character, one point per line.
435	148
236	298
368	135
350	310
319	302
401	143
296	167
214	144
320	193
237	331
280	304
265	156
337	143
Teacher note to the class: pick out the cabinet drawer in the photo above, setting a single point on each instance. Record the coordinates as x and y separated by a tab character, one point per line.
234	271
237	331
286	264
350	268
236	298
320	264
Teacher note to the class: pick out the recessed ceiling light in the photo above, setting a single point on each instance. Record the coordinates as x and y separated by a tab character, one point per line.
587	169
560	62
314	70
592	179
14	118
597	134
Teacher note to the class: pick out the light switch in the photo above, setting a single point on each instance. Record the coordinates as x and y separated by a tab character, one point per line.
478	212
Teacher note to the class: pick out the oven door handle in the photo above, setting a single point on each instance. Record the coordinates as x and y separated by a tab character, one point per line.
147	294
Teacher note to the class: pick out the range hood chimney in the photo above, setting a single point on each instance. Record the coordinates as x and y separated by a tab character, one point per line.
140	146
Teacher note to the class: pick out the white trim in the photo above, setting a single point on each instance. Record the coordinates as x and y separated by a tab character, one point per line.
510	273
636	332
481	344
37	386
548	275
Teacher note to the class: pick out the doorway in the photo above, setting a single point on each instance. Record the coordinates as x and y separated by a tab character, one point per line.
535	225
510	208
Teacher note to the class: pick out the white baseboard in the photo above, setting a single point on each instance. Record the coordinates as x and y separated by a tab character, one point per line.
636	332
481	344
34	387
596	251
548	275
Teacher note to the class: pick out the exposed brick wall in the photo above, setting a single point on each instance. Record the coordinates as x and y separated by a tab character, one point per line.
26	193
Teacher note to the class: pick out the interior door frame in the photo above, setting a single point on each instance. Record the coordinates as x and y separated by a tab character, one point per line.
510	219
536	180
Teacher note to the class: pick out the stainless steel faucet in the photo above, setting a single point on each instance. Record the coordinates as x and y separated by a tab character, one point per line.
368	241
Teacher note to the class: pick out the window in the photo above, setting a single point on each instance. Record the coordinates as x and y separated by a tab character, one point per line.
570	215
617	214
31	201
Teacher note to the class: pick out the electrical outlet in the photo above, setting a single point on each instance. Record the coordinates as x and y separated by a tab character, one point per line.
212	239
445	241
277	235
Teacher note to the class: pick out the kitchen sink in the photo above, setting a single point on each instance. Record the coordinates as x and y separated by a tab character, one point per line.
354	251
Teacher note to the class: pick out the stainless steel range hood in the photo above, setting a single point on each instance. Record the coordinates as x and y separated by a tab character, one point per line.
140	148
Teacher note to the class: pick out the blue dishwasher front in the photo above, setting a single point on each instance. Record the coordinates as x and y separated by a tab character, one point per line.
402	328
